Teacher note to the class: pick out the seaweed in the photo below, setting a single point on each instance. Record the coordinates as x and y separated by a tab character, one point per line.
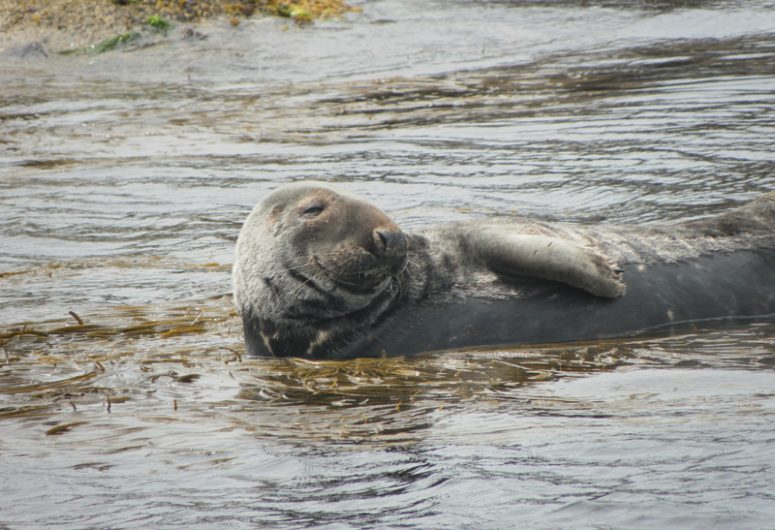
158	23
115	41
295	12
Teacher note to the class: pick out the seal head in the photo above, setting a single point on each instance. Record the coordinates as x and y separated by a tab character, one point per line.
307	256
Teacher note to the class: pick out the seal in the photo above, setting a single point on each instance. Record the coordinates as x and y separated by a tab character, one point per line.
321	273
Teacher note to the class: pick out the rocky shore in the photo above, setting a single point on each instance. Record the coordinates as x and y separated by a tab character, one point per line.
61	25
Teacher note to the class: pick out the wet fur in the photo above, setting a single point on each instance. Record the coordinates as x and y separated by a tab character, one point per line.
290	311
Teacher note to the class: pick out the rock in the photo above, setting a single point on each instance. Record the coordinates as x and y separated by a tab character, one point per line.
32	50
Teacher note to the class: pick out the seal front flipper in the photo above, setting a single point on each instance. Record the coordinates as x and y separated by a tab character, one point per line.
548	258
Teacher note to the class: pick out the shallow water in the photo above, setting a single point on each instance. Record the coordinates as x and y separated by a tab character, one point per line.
124	178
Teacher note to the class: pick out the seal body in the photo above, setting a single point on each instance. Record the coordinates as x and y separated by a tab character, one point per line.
321	273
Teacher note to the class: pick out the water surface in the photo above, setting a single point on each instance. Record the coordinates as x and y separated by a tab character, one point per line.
124	178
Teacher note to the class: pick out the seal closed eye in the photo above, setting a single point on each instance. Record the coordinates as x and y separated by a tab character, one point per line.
323	273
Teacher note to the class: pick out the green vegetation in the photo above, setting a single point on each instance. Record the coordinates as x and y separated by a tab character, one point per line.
113	42
156	22
295	12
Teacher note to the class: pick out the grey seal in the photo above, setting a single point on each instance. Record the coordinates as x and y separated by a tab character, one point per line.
322	273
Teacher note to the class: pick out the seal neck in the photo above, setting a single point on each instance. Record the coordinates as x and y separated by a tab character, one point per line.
312	334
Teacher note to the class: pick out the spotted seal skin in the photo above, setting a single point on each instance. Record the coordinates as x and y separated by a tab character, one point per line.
321	273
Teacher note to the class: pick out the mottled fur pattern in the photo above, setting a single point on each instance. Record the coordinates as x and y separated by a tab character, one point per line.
306	286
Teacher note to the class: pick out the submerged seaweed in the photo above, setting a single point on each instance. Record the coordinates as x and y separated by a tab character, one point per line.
113	42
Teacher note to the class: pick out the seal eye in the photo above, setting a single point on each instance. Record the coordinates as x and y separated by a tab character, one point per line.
313	210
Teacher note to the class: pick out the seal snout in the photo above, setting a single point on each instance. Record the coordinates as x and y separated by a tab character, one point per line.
389	241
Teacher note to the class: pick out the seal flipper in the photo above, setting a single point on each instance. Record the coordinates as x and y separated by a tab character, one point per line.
548	258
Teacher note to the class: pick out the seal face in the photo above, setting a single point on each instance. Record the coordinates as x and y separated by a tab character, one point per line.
322	273
308	255
337	245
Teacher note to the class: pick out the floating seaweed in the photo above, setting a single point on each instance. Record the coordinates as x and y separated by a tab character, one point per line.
63	428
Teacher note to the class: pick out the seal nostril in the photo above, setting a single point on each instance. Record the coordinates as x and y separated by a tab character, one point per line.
388	240
380	240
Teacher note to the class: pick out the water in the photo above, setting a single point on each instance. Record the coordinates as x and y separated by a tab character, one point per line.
124	178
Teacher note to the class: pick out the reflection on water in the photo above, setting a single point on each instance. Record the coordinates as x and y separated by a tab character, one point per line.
125	397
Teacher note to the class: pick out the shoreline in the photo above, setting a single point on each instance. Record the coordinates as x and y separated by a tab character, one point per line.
56	26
